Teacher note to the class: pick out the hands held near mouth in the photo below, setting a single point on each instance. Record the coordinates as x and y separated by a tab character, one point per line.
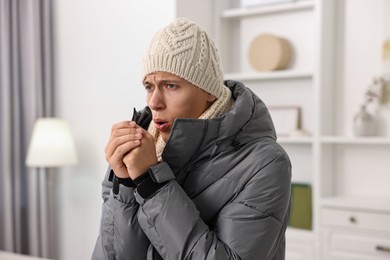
130	150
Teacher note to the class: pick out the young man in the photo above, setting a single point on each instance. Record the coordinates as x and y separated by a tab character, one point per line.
197	174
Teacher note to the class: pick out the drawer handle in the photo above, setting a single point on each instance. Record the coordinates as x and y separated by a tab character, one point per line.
383	248
352	219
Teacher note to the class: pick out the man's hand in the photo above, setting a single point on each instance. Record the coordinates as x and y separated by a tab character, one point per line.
125	136
141	158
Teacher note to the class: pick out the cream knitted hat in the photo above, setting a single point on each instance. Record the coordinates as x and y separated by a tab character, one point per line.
186	50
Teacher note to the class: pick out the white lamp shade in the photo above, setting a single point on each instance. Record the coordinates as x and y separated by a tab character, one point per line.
51	144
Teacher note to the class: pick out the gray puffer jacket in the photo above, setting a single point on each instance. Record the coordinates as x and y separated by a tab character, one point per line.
226	193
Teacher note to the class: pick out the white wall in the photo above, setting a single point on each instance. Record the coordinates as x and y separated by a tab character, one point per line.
99	49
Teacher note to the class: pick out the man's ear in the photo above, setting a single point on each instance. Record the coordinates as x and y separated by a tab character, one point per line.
211	98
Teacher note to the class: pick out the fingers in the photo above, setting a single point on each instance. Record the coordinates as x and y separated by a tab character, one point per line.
124	128
124	137
142	157
122	132
123	124
120	146
117	141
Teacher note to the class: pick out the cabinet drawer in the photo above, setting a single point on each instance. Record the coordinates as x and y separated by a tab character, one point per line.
300	245
356	219
360	244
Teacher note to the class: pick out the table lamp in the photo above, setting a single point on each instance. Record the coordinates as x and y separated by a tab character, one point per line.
51	146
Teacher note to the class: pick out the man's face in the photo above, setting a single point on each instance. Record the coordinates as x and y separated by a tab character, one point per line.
170	97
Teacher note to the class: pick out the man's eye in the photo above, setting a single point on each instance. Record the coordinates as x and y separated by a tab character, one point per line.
148	88
171	86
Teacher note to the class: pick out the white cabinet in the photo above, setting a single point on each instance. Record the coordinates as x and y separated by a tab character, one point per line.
337	52
300	245
352	230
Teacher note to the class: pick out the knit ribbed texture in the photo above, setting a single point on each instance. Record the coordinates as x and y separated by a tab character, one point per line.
186	50
220	106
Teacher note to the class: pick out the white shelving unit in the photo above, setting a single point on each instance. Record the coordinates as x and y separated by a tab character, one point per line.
353	198
353	172
336	54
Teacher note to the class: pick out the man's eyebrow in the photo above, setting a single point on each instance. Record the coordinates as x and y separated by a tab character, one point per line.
163	81
145	82
168	81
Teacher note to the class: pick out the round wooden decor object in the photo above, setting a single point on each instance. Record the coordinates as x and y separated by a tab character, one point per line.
268	52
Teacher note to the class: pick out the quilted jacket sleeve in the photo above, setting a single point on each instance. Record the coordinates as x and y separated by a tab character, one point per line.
120	235
250	227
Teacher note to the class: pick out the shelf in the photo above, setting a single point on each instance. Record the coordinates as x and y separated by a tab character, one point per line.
269	9
359	203
295	140
355	140
276	75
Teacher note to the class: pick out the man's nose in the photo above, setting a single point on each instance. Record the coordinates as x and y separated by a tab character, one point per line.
156	101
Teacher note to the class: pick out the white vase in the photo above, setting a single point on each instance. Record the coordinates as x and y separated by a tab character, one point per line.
364	123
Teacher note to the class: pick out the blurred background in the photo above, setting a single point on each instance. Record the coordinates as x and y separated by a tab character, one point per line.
325	79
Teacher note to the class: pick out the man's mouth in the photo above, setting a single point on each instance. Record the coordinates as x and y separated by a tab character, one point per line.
162	125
